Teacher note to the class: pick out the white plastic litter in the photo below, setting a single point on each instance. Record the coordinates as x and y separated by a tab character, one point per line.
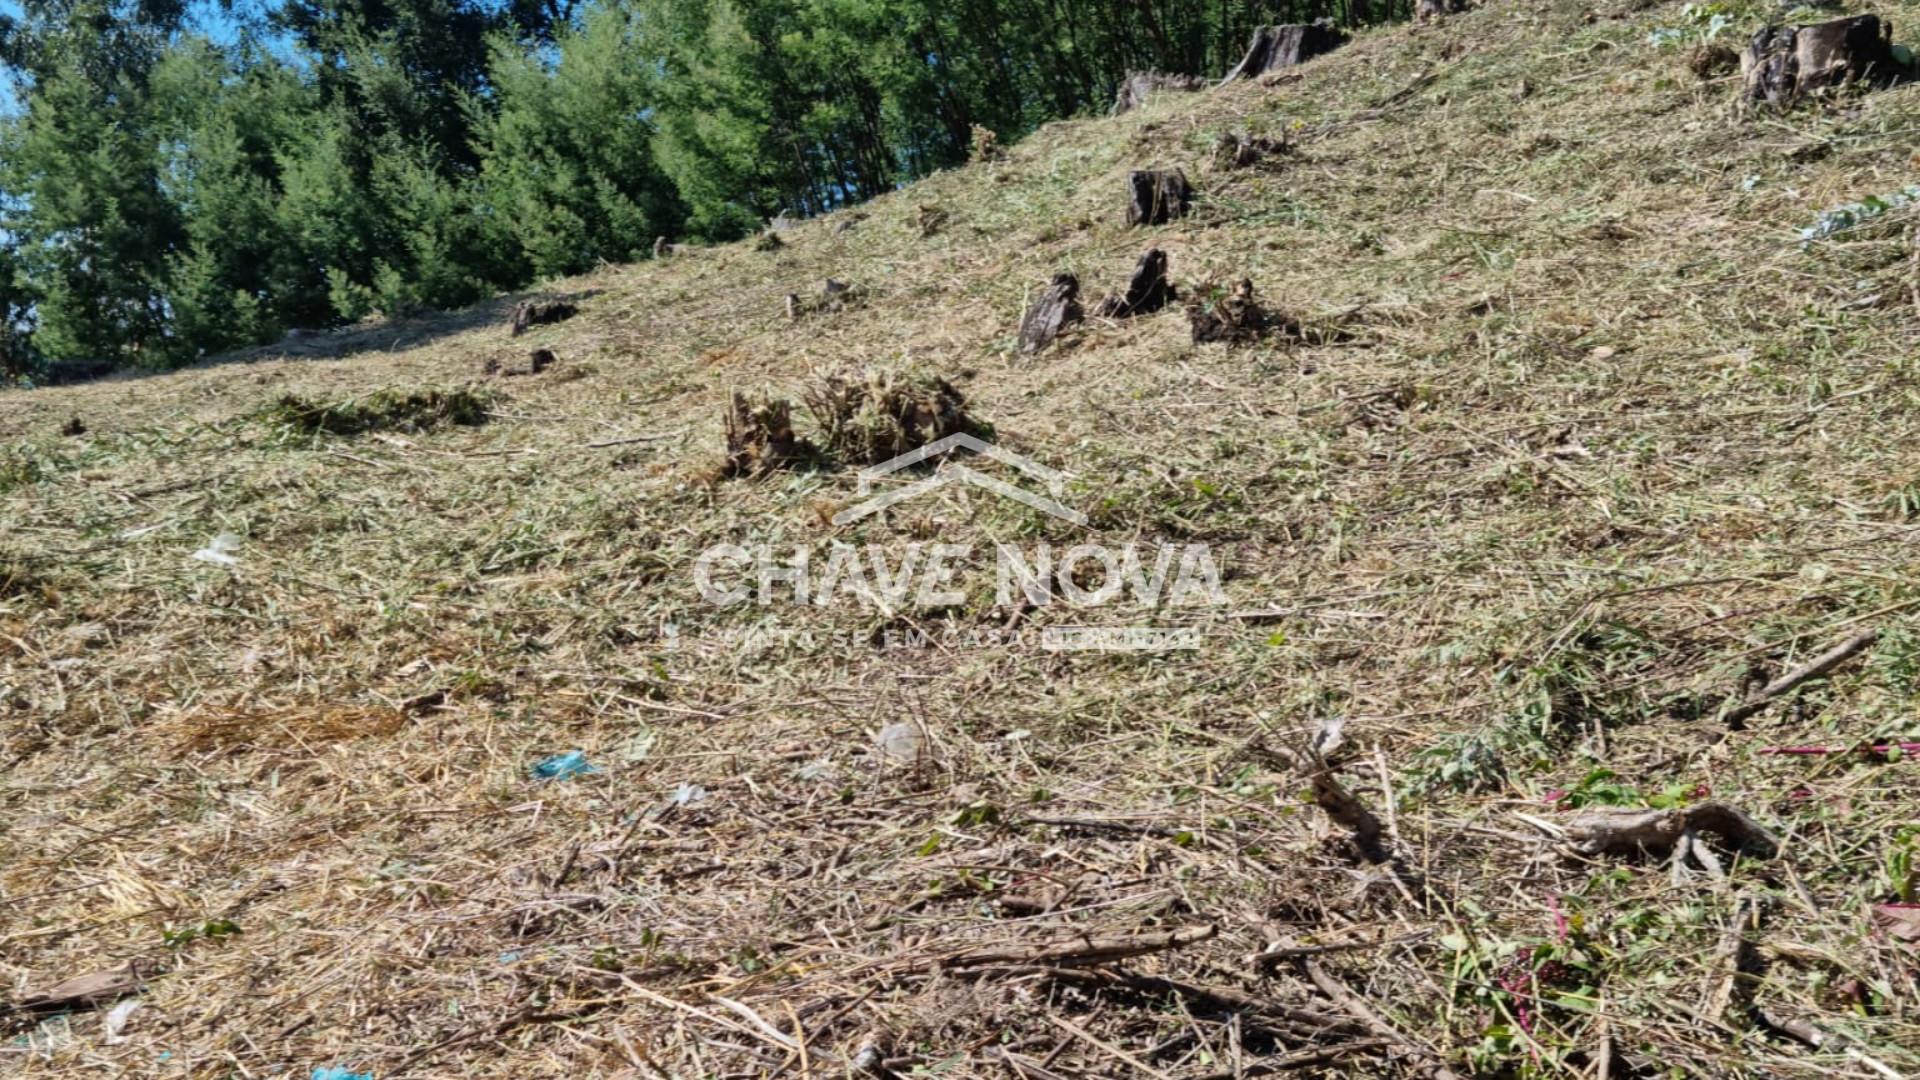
220	550
902	744
117	1020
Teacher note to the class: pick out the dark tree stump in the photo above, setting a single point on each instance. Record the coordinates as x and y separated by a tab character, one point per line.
760	437
1147	291
529	313
540	360
1139	86
1782	63
1276	47
1056	309
1157	196
1429	10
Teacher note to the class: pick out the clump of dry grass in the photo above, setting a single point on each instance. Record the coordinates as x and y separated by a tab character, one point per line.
866	416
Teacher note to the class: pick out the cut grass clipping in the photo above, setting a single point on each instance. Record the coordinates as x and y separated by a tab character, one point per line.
382	410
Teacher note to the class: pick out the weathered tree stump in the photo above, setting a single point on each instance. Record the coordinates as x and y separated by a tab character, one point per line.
540	360
1147	291
1429	10
760	437
768	241
1139	86
662	249
529	313
1056	309
1157	196
1236	317
1234	150
1276	47
1783	63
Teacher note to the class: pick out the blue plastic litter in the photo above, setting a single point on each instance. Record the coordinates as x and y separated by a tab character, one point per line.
564	766
335	1072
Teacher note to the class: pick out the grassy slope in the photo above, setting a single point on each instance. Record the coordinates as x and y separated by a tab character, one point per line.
1596	437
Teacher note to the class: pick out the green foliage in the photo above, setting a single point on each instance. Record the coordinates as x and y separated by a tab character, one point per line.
382	411
211	930
163	197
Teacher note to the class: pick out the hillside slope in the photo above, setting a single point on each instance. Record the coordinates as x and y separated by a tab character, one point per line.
1581	445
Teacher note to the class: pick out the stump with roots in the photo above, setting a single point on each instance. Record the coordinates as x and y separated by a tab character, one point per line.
1056	309
1277	47
1147	291
1157	196
1782	63
1139	86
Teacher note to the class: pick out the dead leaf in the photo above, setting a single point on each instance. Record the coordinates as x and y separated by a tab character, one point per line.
1900	921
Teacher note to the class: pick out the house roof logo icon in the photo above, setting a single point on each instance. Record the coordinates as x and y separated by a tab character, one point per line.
953	472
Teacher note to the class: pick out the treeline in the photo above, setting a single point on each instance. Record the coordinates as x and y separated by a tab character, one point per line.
179	180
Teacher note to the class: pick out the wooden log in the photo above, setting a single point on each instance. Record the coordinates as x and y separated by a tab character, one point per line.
1157	196
1139	86
1057	308
1276	47
1147	291
1782	63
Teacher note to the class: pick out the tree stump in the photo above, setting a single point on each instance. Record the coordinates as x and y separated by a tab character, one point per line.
1234	150
760	437
1139	86
1235	318
1782	63
1157	196
1057	308
1276	47
1147	291
529	313
1429	10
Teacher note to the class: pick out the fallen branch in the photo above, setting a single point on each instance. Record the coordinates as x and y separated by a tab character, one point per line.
1359	1010
1818	667
1348	812
1612	829
1881	749
1086	949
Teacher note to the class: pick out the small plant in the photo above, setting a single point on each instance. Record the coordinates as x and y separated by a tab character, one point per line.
1702	23
1853	215
1900	863
211	930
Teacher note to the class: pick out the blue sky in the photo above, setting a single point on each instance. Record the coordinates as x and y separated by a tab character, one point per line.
7	7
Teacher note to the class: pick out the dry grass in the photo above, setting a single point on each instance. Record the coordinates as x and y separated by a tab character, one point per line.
1578	438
